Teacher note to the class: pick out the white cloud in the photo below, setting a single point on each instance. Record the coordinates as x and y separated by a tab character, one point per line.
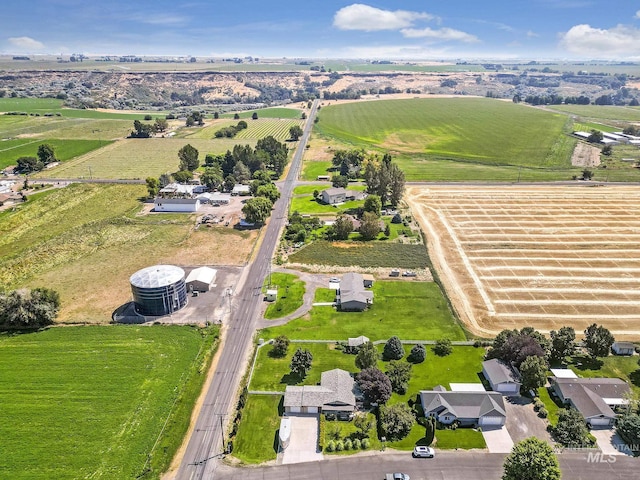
164	19
637	14
617	42
442	34
364	17
26	43
532	34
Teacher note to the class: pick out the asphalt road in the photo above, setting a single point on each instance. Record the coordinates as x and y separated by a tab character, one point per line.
445	466
205	445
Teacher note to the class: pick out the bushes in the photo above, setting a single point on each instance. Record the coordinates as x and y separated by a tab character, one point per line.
543	413
331	446
418	354
357	444
443	347
366	443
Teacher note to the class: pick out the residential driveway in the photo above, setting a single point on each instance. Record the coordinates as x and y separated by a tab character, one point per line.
497	439
523	422
610	442
303	446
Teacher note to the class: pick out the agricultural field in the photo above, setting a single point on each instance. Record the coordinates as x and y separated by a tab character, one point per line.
487	139
64	150
273	112
42	106
82	236
98	402
136	158
539	256
600	112
277	128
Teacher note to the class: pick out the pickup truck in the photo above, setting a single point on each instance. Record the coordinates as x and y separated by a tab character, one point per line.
397	476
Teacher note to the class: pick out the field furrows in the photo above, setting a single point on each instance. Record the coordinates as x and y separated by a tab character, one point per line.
544	256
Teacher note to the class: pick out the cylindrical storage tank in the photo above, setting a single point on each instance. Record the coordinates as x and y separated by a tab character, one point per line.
159	290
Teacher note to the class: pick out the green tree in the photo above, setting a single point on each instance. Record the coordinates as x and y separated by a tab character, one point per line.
301	362
27	165
374	385
430	430
571	429
399	374
257	210
364	424
183	176
587	174
369	226
28	308
161	124
188	156
339	181
241	172
46	154
295	132
141	130
443	347
153	186
212	178
596	136
229	182
418	354
269	191
531	459
393	349
628	427
387	231
342	227
396	421
236	116
534	372
607	150
373	204
563	343
367	356
280	346
598	340
254	116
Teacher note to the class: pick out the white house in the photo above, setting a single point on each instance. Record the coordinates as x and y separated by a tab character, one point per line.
176	205
501	377
623	348
200	279
331	196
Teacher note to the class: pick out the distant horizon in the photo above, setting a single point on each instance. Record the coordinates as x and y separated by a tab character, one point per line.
572	30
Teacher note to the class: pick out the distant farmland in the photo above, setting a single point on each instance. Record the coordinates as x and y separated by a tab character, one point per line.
470	138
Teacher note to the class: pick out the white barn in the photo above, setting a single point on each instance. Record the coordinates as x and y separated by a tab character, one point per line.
200	279
176	205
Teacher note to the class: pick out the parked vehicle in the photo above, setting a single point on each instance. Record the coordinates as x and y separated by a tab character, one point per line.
397	476
423	452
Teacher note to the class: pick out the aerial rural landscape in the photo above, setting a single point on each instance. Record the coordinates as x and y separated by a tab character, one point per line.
380	243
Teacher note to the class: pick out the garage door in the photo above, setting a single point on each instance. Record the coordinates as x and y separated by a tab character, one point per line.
491	421
599	421
508	388
294	409
311	409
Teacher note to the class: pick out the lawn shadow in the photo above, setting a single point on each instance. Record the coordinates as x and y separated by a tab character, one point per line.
587	363
635	377
290	378
281	406
423	442
276	442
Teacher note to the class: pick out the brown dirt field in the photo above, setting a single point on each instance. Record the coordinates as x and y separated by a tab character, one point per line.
540	256
585	155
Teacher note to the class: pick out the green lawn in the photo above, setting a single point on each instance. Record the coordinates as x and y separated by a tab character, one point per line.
463	438
336	429
363	254
466	130
410	310
600	112
257	437
308	205
324	295
90	402
312	169
290	292
309	189
11	150
615	366
551	406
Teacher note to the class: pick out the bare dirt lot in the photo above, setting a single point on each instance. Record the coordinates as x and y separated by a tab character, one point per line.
539	256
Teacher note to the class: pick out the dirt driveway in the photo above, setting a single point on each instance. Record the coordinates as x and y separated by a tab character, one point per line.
523	422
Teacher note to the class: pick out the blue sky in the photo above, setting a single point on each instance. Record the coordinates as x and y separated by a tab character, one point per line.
422	30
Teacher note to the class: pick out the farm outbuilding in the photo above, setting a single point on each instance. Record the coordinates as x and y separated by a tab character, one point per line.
176	204
159	290
201	279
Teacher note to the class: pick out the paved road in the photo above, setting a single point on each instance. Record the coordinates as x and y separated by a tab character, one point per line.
205	444
446	466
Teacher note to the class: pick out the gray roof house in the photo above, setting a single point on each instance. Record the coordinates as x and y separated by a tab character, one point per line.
623	348
594	398
334	195
501	377
485	409
352	295
336	393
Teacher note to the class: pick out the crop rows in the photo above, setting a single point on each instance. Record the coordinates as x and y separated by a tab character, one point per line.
278	128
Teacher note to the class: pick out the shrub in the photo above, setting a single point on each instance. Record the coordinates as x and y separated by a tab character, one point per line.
348	445
339	446
543	413
393	349
418	354
538	405
443	347
331	446
357	444
366	443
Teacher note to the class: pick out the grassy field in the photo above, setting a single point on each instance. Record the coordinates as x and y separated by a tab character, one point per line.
137	158
51	105
343	430
411	310
363	254
472	130
257	437
313	168
83	236
600	112
274	112
615	366
256	129
91	402
64	149
290	292
308	205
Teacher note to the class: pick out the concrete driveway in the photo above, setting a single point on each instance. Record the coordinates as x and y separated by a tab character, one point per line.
523	422
303	446
497	439
610	442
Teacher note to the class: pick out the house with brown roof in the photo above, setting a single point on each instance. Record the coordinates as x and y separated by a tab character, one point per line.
594	398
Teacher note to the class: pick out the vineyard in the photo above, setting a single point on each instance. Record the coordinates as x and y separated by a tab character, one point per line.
278	128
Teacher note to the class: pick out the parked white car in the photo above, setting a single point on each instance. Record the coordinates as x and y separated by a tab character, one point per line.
423	452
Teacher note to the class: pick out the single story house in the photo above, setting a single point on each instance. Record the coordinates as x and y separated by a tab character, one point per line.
334	195
352	294
241	190
367	280
623	348
200	279
220	198
485	409
336	394
176	204
594	398
501	377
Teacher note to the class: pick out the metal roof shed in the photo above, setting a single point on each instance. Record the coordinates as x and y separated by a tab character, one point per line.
200	279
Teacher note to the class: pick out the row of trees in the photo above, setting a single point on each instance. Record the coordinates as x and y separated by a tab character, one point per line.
44	157
28	308
146	130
